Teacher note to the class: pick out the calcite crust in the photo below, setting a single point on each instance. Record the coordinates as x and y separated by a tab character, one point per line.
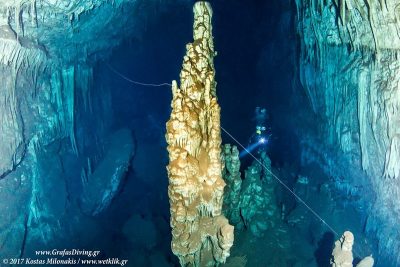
201	235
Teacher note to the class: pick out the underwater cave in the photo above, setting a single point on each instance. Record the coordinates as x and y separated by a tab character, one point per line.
189	133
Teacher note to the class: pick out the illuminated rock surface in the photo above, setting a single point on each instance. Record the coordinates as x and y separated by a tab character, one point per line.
342	254
201	235
331	91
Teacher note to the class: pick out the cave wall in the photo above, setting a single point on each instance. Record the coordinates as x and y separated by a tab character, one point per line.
54	122
350	71
47	50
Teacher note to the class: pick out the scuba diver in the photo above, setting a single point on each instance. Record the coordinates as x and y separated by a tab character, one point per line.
261	137
263	133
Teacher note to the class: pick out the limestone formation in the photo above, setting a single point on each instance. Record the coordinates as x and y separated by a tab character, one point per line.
47	52
43	61
350	70
250	203
101	186
342	254
366	262
231	175
201	235
258	207
42	41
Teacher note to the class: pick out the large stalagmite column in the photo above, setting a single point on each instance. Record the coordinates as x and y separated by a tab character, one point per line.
201	235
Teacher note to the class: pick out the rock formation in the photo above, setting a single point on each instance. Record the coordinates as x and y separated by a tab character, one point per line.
250	203
47	53
201	235
101	186
258	207
231	175
342	254
350	70
45	66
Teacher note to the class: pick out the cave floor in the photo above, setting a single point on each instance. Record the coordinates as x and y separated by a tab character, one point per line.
301	239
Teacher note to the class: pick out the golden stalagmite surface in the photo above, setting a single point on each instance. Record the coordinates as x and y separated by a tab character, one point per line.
201	235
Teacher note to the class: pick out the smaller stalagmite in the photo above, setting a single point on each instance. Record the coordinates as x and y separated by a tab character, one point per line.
342	254
257	204
201	235
231	175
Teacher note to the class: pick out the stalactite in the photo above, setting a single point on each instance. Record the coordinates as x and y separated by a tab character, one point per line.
392	167
33	215
17	56
84	177
371	24
359	95
89	166
382	4
343	11
68	85
57	99
34	19
84	80
39	113
363	116
11	134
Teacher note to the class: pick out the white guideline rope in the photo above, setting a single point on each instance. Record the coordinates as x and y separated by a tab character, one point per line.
273	175
136	82
354	250
282	183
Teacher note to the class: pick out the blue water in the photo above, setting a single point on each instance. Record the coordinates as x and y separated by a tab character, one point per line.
256	66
